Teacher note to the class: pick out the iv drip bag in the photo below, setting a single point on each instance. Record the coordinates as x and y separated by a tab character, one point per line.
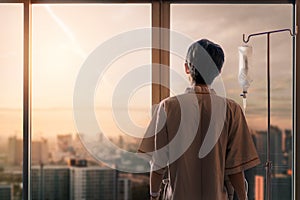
245	53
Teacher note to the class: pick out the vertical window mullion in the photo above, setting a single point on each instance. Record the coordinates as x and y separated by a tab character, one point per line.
161	56
27	100
297	108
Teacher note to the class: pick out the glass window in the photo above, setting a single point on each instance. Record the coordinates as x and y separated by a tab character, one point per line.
11	101
225	24
65	40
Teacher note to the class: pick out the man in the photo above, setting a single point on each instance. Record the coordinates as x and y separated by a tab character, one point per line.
198	137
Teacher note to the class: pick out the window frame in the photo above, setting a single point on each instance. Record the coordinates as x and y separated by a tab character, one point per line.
160	18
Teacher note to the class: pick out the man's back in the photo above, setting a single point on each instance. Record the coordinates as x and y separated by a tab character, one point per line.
199	136
192	177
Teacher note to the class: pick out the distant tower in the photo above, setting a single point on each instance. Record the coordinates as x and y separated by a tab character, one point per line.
256	176
277	157
15	151
6	192
52	183
93	183
39	152
124	189
259	188
64	142
281	187
288	141
121	141
288	150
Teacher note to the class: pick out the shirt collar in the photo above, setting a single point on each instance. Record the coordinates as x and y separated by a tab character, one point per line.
200	89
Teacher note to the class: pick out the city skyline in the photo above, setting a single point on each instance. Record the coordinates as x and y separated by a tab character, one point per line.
71	154
62	40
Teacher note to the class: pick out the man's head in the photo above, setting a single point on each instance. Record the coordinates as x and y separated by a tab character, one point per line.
204	61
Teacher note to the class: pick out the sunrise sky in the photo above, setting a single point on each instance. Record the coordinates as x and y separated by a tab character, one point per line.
65	35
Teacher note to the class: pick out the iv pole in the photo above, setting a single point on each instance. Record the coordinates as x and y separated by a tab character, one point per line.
268	165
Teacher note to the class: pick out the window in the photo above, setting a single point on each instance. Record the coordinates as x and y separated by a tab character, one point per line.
64	35
225	24
11	77
65	38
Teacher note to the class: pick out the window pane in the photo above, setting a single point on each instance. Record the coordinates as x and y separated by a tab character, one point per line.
225	24
11	101
65	38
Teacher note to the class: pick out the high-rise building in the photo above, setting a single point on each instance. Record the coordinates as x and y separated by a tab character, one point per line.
79	149
92	183
276	151
39	152
256	176
124	189
288	150
281	187
78	181
15	151
288	141
6	192
50	182
64	142
259	187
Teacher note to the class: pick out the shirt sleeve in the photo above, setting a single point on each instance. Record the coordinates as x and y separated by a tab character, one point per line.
154	144
160	155
241	152
147	143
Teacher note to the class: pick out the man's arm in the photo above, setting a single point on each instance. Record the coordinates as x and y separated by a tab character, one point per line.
238	183
155	184
241	152
160	155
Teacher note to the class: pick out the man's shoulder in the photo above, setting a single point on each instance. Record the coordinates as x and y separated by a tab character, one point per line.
232	102
176	101
233	107
173	99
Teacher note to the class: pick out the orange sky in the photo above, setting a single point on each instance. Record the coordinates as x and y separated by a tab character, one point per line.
64	35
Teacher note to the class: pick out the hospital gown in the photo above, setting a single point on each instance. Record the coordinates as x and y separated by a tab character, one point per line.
198	138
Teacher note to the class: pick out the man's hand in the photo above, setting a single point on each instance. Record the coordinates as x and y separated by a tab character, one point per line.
154	195
238	183
155	184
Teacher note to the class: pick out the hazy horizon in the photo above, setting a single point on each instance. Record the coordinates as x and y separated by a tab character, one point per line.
62	42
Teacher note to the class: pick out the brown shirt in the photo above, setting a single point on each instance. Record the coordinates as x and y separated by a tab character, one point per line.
200	137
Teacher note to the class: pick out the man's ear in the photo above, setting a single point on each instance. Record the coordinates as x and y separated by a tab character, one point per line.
187	69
